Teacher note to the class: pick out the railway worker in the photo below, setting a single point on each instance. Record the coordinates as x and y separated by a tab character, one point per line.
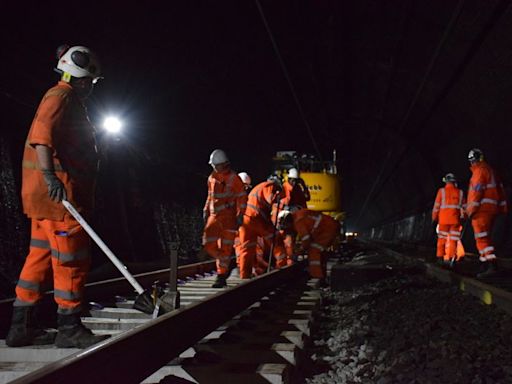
296	196
448	211
246	179
223	213
59	162
258	223
295	191
316	232
486	199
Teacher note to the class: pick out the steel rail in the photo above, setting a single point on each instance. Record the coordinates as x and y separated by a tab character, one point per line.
106	289
132	356
485	291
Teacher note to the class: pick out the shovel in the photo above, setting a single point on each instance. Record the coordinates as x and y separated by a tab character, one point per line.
145	301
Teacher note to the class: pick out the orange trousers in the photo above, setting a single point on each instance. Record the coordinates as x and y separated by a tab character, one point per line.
252	228
323	237
218	240
482	227
61	246
447	237
289	245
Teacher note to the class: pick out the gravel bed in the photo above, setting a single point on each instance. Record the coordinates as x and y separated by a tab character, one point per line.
410	329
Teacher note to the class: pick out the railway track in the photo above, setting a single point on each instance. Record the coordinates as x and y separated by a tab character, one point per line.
496	290
143	349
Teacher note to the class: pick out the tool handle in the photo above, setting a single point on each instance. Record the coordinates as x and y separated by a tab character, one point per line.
103	246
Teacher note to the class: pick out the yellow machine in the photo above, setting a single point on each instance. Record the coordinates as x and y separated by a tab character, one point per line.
321	178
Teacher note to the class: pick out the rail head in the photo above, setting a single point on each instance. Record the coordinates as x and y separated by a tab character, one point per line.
134	355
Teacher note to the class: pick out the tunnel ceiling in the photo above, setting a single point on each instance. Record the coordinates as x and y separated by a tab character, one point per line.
401	89
406	89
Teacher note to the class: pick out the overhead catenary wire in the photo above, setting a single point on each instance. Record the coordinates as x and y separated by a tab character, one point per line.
449	27
288	79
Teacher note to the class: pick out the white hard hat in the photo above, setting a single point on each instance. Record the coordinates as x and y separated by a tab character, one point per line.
78	61
246	179
475	155
449	178
293	173
217	157
281	218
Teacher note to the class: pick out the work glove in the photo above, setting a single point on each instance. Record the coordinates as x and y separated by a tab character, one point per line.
205	216
239	220
56	189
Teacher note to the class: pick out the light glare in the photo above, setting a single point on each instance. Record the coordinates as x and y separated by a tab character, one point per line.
112	124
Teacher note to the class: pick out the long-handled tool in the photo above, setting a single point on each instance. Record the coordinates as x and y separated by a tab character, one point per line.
274	236
452	261
145	300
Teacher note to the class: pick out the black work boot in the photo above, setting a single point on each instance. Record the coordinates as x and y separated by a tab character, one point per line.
489	269
220	281
73	334
24	329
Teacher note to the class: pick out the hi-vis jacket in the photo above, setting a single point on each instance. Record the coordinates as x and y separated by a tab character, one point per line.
261	199
226	194
61	123
449	205
486	194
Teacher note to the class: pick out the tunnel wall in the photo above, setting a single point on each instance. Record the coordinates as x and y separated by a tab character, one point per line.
418	230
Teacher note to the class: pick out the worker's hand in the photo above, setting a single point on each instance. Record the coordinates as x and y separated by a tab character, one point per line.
239	220
56	189
205	216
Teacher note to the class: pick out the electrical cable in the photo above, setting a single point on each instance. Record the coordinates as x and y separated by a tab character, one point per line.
499	12
453	19
288	79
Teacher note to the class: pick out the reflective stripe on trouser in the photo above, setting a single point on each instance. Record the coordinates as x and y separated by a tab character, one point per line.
61	246
219	238
322	239
482	227
447	244
252	228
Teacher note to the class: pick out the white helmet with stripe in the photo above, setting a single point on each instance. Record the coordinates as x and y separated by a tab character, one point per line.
78	61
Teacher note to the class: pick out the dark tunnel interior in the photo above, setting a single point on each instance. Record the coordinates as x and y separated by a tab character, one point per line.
402	90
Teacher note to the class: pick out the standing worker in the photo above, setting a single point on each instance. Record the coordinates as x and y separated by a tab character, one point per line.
223	214
486	199
316	231
258	223
296	196
59	162
448	211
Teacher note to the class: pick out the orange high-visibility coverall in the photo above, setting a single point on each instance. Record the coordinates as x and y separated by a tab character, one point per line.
486	199
296	197
226	200
316	232
448	211
58	243
257	222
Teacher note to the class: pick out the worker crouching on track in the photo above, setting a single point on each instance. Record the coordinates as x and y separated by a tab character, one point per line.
257	223
448	211
59	162
316	232
223	214
486	199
